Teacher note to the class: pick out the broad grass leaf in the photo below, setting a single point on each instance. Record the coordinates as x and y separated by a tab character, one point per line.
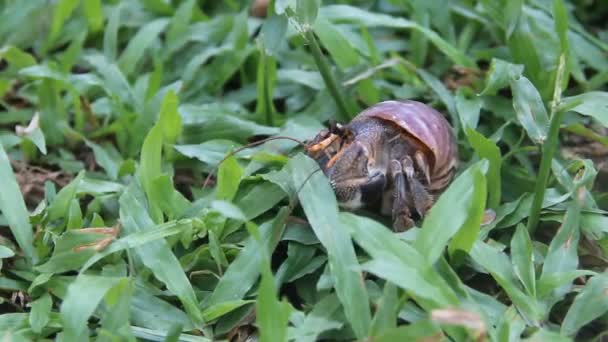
169	118
511	326
266	80
115	318
220	123
272	315
178	26
140	238
593	104
487	149
385	317
114	81
82	298
244	270
512	12
319	203
74	215
250	203
521	256
560	18
149	311
161	335
72	250
420	44
456	214
542	335
16	57
306	11
273	33
322	317
107	157
110	35
520	209
399	262
172	202
370	19
311	79
562	255
215	311
6	252
150	168
589	304
499	75
552	281
36	136
41	309
210	152
336	44
497	263
94	12
139	43
228	179
14	210
62	12
468	110
157	255
442	92
417	331
300	261
530	109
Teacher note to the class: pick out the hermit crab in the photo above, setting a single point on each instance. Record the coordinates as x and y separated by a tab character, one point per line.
394	157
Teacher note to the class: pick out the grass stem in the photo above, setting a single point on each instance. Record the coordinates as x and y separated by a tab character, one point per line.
328	77
548	149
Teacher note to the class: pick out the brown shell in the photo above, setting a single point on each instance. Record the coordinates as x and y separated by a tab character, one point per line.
426	125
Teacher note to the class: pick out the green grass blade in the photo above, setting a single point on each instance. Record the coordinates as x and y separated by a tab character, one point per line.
589	304
456	214
157	255
14	210
320	206
83	297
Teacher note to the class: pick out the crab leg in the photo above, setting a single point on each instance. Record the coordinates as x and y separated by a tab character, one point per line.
323	144
421	199
423	165
401	213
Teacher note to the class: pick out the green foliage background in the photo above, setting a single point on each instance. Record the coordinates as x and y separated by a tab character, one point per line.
108	232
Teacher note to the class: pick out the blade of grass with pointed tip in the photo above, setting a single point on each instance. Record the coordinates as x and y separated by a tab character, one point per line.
530	110
82	298
41	309
399	262
272	315
62	11
115	320
369	19
157	255
593	104
150	168
562	255
456	214
13	208
321	208
139	43
521	256
94	13
499	266
244	270
486	148
589	304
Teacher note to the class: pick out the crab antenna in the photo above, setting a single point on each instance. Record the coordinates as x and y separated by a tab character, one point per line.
250	145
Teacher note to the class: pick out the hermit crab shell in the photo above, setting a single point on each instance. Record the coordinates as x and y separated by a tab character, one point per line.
429	127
